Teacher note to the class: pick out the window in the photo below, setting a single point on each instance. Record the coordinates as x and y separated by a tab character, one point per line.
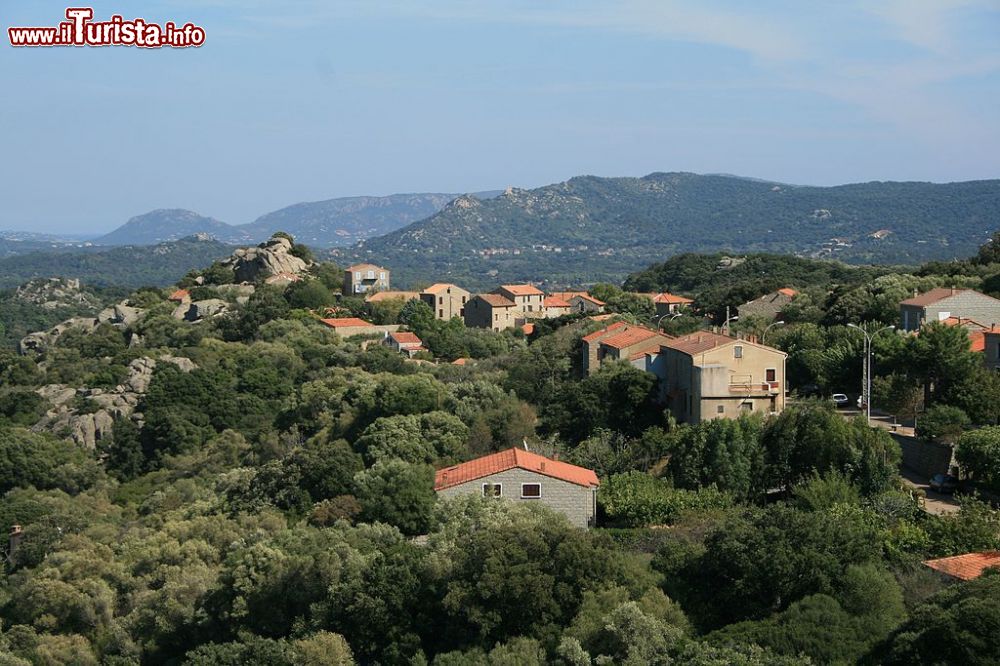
371	275
770	375
440	300
357	276
440	314
738	351
721	409
531	490
492	490
463	300
746	406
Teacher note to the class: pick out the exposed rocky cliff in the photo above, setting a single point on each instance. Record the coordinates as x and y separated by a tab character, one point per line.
251	264
54	293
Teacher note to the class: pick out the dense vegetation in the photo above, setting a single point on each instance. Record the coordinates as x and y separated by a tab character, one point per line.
274	503
604	227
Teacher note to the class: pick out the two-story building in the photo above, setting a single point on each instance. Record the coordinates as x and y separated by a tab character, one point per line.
491	311
667	303
360	279
446	300
528	299
404	342
523	476
944	303
706	376
620	341
556	307
580	301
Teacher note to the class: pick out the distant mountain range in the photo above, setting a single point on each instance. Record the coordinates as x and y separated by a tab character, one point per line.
590	229
321	224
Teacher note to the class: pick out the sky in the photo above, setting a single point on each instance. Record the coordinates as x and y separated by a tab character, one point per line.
304	100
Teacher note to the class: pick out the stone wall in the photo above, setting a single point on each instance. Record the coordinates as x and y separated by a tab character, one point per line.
923	457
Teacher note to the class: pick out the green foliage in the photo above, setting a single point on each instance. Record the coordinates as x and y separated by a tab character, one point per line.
725	453
942	423
978	453
397	492
639	500
42	461
434	437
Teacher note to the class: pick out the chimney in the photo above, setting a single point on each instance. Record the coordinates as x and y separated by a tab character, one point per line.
541	467
16	532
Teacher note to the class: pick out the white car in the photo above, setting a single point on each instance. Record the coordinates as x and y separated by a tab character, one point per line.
841	400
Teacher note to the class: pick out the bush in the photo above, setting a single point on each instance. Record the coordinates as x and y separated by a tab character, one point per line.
636	499
942	423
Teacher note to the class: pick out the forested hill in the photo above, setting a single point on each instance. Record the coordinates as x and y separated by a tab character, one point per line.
130	266
590	228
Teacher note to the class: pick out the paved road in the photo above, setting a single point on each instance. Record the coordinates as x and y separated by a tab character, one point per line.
936	503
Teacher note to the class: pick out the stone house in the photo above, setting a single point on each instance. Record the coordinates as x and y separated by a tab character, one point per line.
667	303
364	278
709	376
556	307
346	327
404	342
991	348
491	311
528	299
620	341
446	300
943	303
768	306
586	303
523	476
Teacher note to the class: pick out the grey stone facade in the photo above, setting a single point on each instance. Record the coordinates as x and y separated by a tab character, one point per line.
963	303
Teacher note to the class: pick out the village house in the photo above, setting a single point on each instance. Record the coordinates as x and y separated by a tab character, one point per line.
523	476
404	342
346	327
556	307
491	311
943	303
768	306
446	300
363	278
620	341
707	376
991	348
667	303
382	296
180	296
528	299
965	567
976	331
580	301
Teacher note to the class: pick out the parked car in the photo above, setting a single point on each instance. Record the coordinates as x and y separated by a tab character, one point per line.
944	483
841	400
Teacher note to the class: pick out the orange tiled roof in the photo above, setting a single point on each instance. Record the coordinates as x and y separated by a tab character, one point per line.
566	295
966	567
521	289
964	321
497	301
933	296
701	341
629	337
511	459
588	297
669	299
977	341
345	322
555	302
528	328
380	296
179	295
788	292
461	361
358	267
596	334
405	337
439	286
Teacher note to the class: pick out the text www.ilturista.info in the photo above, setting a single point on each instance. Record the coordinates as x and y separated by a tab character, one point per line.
80	30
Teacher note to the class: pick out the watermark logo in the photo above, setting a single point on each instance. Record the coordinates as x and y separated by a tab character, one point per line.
79	29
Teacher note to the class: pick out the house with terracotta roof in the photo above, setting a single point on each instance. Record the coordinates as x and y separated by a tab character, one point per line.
976	331
346	327
991	348
522	476
706	376
180	296
389	295
768	306
967	566
555	307
404	342
620	341
446	300
943	303
529	299
363	278
492	311
667	303
579	301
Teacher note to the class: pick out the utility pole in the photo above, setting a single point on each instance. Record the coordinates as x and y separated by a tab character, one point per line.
866	367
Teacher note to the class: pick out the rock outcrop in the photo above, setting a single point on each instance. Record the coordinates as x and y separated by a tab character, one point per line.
198	310
35	343
89	427
53	293
251	264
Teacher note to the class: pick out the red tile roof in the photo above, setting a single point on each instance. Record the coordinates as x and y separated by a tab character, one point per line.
358	267
511	459
669	299
461	361
179	295
788	292
521	289
698	342
440	286
966	322
405	338
966	567
380	296
933	296
567	295
629	337
497	301
977	341
555	302
528	328
345	322
597	334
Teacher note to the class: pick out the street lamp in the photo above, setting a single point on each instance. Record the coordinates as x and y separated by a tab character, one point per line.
866	374
671	315
763	335
725	326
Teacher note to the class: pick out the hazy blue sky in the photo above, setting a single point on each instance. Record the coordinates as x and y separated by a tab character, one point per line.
312	99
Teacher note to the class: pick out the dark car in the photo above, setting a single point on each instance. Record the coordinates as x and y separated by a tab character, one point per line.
943	483
841	400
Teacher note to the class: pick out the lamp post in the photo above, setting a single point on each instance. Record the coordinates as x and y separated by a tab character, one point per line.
866	374
671	315
725	325
763	336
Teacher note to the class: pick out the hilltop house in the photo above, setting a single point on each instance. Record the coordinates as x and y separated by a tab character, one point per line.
991	348
363	278
708	376
180	296
522	476
404	342
620	341
943	303
446	300
346	327
667	303
491	311
768	306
